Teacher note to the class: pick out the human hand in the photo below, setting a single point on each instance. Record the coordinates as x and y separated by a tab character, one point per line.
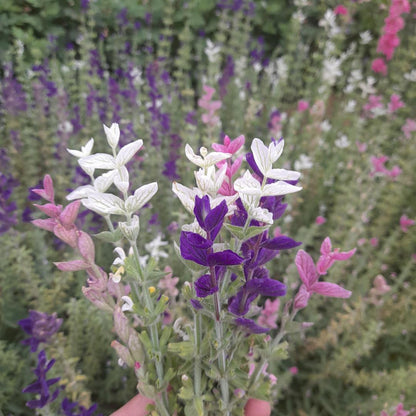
137	407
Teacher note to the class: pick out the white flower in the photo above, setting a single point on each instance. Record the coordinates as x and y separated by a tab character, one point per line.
250	203
365	37
154	248
350	107
410	76
186	195
299	16
304	162
266	156
113	134
85	150
209	180
282	68
331	70
342	142
104	204
66	127
212	51
367	87
206	159
128	303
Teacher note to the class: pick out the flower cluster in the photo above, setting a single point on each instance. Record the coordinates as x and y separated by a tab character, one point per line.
389	41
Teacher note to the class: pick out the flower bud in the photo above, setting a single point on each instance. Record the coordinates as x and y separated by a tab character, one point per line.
130	231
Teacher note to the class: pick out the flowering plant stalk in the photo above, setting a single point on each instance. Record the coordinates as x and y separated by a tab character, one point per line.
206	350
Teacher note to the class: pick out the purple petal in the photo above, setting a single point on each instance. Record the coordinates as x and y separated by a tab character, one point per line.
215	219
251	326
204	286
224	258
201	210
330	289
266	287
240	303
196	304
194	247
252	163
281	242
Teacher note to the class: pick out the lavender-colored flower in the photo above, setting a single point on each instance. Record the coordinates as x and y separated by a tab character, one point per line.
76	120
8	216
14	98
122	18
75	409
95	64
190	118
42	385
227	74
40	326
85	5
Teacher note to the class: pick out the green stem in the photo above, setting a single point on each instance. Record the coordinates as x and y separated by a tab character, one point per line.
197	364
154	336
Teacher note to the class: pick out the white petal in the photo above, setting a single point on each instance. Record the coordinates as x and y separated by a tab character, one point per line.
75	153
261	155
247	185
97	161
279	188
113	134
275	150
80	192
186	195
283	174
141	196
128	305
121	179
103	182
127	152
104	204
215	157
197	160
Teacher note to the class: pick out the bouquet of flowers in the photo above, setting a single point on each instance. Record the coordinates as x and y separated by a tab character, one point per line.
205	342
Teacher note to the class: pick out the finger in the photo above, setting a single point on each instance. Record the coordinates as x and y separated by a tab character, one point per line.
256	407
135	407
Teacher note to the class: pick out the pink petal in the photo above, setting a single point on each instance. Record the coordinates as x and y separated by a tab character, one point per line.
343	255
306	268
302	298
324	263
326	246
48	224
70	213
71	266
67	235
48	187
86	246
330	289
51	210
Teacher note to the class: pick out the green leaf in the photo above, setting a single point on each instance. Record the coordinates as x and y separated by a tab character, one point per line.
184	349
245	235
110	236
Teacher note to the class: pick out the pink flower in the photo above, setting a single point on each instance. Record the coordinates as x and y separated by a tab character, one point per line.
340	9
405	223
380	287
379	66
320	220
374	101
229	146
294	370
394	172
303	105
400	410
309	275
168	283
328	257
362	147
395	103
394	23
269	314
209	118
387	44
409	127
378	164
374	241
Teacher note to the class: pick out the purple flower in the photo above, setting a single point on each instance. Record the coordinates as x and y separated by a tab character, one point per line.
210	220
250	326
14	98
122	18
227	74
40	326
8	216
42	385
70	409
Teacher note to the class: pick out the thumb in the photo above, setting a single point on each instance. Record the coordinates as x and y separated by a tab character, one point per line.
256	407
135	407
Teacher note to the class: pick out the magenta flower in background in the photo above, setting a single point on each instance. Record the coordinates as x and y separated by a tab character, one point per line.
328	257
206	103
379	66
405	223
340	9
395	103
320	220
409	127
269	314
303	105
